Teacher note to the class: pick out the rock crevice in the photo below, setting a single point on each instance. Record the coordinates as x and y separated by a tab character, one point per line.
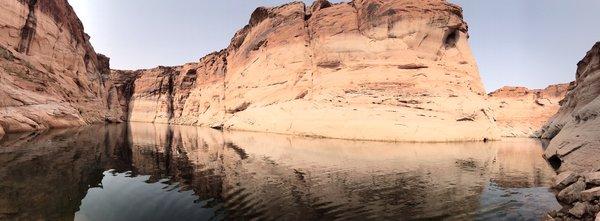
28	30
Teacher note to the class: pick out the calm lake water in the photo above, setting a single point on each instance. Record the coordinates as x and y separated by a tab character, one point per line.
157	172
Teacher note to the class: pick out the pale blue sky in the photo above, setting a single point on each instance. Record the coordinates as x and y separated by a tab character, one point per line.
529	43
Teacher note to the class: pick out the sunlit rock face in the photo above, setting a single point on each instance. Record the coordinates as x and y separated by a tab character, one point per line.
521	112
50	75
394	70
574	130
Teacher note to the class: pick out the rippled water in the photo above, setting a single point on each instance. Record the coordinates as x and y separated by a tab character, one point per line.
157	172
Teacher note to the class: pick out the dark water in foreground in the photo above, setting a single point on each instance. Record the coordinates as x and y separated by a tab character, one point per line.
156	172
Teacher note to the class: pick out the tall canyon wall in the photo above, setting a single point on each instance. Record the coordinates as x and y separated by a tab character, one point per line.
398	70
395	70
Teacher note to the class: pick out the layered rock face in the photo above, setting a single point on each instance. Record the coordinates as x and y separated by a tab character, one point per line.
575	129
396	70
521	112
50	75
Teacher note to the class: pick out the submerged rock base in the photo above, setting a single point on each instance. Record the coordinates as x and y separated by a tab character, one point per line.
579	194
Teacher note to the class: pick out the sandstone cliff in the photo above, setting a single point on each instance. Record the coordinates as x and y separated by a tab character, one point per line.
521	112
397	70
574	130
50	75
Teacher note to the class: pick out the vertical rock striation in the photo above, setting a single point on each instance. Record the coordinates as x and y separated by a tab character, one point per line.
191	94
28	30
574	130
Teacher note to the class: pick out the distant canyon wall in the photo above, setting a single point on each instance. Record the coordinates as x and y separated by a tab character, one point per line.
575	129
398	70
521	112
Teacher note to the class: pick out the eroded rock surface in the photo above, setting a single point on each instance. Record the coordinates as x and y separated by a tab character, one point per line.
521	112
575	129
50	75
396	70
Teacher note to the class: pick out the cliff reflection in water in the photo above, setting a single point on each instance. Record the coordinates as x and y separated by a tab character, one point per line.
156	172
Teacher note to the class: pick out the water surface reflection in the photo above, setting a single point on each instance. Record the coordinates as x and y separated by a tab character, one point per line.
158	172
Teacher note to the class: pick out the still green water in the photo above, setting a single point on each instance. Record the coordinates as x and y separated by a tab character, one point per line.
159	172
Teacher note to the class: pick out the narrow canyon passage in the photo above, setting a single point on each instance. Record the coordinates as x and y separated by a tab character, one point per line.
365	109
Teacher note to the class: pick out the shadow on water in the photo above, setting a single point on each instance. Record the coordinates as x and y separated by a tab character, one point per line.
159	172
